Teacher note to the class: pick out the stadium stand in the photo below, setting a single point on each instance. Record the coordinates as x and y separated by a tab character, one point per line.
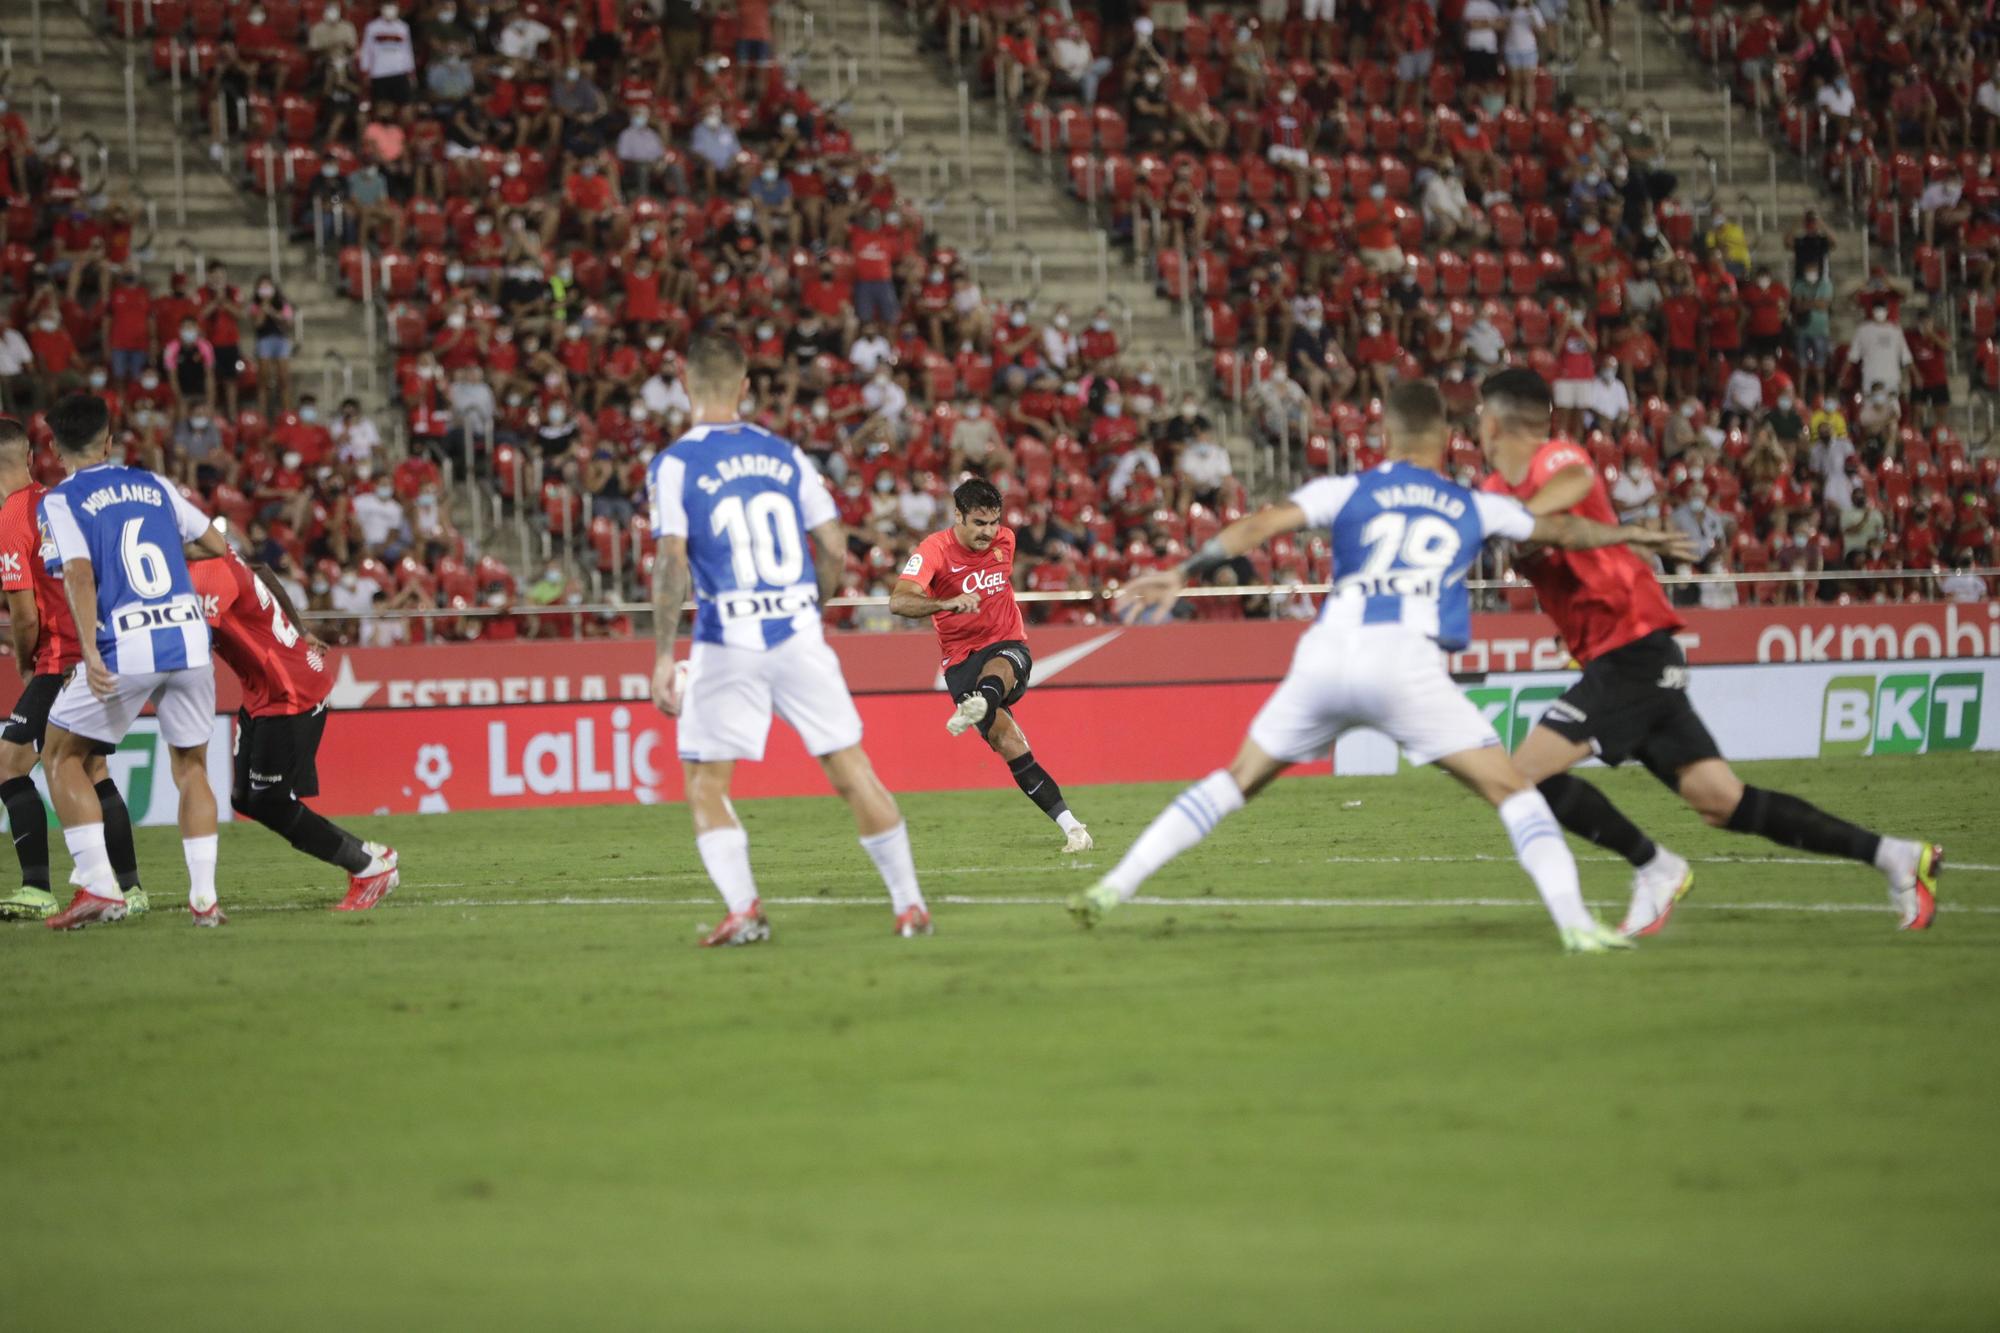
530	207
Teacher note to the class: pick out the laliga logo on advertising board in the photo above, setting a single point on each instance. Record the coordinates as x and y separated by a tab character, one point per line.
984	582
563	763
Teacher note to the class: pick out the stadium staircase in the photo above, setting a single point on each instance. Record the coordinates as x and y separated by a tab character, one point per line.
80	78
989	196
1724	153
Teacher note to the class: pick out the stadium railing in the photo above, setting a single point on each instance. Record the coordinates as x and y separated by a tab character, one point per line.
1488	594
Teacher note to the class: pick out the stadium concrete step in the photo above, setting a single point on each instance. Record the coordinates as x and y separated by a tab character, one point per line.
953	153
1729	154
75	88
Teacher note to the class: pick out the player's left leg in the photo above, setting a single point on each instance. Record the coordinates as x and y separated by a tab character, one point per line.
1538	842
884	835
809	692
276	768
118	843
1008	741
184	699
79	724
1191	817
1723	800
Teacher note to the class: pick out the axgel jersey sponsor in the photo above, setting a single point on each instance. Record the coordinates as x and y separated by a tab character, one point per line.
943	568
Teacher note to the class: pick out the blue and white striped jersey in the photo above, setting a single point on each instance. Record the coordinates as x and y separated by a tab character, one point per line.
130	525
745	500
1403	539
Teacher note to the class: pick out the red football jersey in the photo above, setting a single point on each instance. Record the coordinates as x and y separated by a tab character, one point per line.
254	637
1600	599
944	568
21	569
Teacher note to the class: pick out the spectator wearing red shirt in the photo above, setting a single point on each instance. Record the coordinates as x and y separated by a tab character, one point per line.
1375	232
1767	307
56	357
1930	358
590	194
128	327
876	250
1376	352
1413	32
1639	359
304	435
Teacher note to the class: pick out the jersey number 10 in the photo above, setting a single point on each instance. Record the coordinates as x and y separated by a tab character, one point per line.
763	538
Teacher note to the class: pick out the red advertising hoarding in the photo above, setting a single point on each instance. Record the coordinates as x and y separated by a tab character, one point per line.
499	758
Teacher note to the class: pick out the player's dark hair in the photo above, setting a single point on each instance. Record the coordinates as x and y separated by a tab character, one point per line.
1414	407
79	422
13	435
974	494
714	366
1519	396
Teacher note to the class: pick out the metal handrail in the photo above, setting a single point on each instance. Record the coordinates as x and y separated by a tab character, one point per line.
1109	591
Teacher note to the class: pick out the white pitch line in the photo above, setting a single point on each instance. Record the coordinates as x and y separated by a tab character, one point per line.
947	872
1234	904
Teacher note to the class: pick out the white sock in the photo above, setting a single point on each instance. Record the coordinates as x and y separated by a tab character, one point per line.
1539	846
200	854
1068	822
891	854
93	863
1192	817
726	853
1897	857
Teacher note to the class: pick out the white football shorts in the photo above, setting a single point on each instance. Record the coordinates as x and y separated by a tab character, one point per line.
732	692
1382	676
184	701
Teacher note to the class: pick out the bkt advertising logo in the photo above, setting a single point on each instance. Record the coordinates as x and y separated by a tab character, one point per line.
1913	713
1514	713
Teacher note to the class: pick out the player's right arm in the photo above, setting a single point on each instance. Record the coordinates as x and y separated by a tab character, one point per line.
1503	516
911	597
671	577
1314	504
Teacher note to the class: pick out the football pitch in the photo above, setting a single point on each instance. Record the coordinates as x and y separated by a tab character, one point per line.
1344	1078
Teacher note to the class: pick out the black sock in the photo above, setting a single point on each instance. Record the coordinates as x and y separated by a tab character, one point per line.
1790	822
319	837
1585	811
1037	785
118	835
30	822
996	699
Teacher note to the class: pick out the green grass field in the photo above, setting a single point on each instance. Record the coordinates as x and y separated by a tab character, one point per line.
516	1097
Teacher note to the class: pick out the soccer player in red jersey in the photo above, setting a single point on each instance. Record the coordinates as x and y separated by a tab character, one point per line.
46	650
278	729
963	579
1631	702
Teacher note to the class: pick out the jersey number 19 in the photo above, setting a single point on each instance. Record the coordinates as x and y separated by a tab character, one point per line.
763	538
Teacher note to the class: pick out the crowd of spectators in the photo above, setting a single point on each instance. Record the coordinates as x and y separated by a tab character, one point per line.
548	200
545	200
1349	195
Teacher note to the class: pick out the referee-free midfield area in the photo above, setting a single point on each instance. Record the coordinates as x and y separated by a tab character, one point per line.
1369	1092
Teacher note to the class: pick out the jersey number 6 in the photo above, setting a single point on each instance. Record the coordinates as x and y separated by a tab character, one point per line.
145	564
